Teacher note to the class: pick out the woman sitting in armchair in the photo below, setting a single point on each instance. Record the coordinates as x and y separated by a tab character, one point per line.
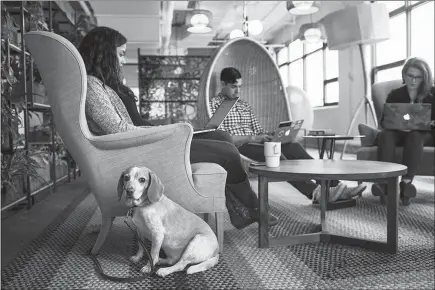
418	79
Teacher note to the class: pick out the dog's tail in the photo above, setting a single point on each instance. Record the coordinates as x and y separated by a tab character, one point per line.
207	264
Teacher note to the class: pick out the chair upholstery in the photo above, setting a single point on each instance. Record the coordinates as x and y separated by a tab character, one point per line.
163	149
369	151
262	85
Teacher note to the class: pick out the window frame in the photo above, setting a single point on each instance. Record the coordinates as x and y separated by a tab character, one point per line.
304	56
407	8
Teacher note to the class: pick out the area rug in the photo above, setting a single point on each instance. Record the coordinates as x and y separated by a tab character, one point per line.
58	259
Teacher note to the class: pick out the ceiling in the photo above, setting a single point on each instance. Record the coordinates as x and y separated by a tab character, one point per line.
156	28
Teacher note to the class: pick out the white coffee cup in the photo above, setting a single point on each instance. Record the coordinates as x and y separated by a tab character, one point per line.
272	153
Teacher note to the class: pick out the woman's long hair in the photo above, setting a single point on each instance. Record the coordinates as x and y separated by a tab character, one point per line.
427	82
98	50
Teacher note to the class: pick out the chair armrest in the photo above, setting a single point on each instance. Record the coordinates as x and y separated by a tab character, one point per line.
142	136
209	179
370	134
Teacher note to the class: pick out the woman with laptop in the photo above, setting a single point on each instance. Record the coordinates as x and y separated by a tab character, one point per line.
408	121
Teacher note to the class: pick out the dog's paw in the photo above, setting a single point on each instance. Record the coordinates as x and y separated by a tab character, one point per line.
163	272
146	268
135	258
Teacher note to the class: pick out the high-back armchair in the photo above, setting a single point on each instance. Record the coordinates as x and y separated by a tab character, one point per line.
369	151
199	188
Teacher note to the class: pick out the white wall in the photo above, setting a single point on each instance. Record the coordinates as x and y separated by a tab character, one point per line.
351	80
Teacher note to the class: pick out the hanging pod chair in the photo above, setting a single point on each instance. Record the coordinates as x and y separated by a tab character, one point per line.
262	86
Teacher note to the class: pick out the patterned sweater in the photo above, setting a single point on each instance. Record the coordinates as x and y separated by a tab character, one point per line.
105	112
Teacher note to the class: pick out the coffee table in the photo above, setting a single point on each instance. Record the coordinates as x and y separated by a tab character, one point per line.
325	170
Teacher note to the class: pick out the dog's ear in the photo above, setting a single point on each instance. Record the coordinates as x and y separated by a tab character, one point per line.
120	187
155	189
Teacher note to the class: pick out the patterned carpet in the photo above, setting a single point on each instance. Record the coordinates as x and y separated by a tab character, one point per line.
57	257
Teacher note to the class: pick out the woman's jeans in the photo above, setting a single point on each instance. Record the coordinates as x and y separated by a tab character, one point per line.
412	142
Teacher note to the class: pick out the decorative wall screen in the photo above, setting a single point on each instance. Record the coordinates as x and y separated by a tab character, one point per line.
169	86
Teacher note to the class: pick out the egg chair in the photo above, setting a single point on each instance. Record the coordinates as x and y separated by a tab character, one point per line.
262	85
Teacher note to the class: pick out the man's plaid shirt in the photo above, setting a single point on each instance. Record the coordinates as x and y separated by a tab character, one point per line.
241	120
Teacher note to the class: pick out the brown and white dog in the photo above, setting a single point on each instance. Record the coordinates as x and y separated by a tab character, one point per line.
184	237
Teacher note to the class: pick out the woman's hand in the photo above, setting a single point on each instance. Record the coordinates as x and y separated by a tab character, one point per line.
432	123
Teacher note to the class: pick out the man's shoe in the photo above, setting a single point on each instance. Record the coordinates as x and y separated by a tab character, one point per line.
334	193
407	189
351	192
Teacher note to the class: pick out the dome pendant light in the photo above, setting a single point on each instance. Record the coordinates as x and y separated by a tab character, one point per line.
301	7
311	32
199	21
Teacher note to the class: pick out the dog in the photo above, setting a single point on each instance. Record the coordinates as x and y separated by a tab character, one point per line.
184	237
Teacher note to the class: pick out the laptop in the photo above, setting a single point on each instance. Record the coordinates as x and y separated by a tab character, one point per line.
406	116
286	132
218	117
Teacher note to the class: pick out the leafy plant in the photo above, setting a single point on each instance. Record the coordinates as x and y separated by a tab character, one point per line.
16	165
16	162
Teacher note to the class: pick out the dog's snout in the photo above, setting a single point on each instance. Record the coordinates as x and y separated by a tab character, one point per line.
129	191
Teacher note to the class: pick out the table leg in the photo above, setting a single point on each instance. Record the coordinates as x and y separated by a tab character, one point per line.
324	196
263	200
332	149
323	148
392	216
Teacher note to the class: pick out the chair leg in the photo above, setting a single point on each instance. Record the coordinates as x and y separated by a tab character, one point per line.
220	230
106	225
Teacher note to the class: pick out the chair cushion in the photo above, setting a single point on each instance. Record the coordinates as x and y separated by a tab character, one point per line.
370	134
427	166
209	179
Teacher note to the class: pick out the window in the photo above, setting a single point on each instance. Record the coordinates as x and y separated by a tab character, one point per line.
422	32
296	50
331	66
314	78
282	59
395	48
284	75
314	68
296	77
412	34
389	74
